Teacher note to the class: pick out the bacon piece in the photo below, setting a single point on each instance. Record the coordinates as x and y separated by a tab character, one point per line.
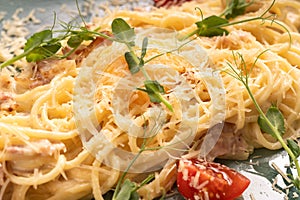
45	71
7	102
168	3
5	96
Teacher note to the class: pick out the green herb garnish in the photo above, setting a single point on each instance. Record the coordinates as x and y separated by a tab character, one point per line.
123	32
215	25
38	47
294	146
235	8
275	117
211	26
43	44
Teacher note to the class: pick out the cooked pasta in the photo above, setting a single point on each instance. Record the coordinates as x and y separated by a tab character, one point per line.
69	129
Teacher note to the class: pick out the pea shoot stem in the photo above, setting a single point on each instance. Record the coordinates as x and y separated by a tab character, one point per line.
14	59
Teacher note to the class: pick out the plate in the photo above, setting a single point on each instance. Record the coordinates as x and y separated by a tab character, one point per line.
257	167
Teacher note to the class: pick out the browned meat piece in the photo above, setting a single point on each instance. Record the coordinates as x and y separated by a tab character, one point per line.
7	102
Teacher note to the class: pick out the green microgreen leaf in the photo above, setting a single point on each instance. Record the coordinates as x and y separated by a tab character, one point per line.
133	62
127	191
78	36
122	31
144	48
293	145
210	26
37	39
85	34
235	8
274	115
74	41
38	42
153	89
42	52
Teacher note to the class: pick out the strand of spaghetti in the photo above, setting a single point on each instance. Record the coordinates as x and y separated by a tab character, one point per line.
26	132
108	176
77	160
54	113
292	55
287	89
61	90
19	192
3	188
14	130
236	101
285	38
280	10
282	87
163	181
262	84
77	189
27	99
44	117
17	120
36	109
95	181
104	178
43	100
267	32
176	21
38	178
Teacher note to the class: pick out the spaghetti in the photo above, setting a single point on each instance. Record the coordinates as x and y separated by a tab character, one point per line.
43	153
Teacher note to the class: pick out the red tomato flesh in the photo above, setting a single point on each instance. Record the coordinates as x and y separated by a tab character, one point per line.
198	179
168	3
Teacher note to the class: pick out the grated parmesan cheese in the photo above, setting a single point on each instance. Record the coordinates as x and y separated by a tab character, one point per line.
185	174
13	34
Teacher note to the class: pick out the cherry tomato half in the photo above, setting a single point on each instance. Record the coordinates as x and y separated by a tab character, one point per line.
198	179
